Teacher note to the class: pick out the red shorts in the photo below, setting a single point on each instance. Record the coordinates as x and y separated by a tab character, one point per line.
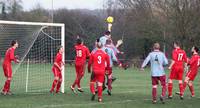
176	73
98	77
57	72
7	70
155	80
80	69
191	75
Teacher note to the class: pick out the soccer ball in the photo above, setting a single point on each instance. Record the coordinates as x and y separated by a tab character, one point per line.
110	19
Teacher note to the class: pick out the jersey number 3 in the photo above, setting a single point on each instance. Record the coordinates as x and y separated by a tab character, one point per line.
79	53
99	59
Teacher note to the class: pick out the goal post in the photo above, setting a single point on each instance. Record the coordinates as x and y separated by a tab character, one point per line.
37	47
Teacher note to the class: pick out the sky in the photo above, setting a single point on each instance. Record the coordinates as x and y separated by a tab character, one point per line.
69	4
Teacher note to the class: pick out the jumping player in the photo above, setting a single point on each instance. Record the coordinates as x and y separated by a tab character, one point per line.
56	69
178	58
157	60
82	52
7	67
108	49
194	63
97	61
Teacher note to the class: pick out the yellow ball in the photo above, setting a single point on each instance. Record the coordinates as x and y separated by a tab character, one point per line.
110	19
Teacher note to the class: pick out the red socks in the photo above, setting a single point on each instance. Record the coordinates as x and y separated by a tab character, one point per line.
54	84
6	86
170	87
154	93
181	89
191	89
92	88
58	86
100	91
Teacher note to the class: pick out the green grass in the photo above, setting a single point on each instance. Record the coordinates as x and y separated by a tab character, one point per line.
132	89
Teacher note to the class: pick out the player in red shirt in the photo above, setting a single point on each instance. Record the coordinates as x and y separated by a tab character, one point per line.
82	52
7	66
99	61
56	69
194	63
178	58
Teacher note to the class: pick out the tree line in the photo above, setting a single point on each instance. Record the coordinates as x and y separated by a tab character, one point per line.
139	23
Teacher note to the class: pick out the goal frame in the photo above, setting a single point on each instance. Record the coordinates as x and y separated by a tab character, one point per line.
62	25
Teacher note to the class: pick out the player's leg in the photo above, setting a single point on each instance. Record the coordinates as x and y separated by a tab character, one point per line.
164	88
191	87
8	75
81	74
76	79
172	76
92	85
180	77
185	83
154	89
59	82
100	80
109	81
56	78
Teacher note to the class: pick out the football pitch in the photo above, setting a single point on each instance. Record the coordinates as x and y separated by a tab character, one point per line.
132	89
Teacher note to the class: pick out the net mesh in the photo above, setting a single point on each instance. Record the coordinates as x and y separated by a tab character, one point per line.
37	49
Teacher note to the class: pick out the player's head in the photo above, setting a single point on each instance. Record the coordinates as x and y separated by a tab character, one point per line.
156	46
108	41
108	34
14	43
60	49
176	44
98	44
79	41
195	49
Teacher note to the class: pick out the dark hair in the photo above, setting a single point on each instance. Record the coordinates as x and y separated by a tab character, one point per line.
79	41
108	41
196	48
98	40
177	43
59	47
98	44
107	33
13	42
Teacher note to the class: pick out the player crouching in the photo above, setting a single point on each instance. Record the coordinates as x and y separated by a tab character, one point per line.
157	60
97	61
56	69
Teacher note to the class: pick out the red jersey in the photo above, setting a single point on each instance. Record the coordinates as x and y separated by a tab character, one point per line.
9	56
99	60
194	63
82	52
179	56
58	59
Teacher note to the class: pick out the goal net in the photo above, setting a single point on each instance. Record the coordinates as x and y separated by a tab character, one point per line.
38	44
